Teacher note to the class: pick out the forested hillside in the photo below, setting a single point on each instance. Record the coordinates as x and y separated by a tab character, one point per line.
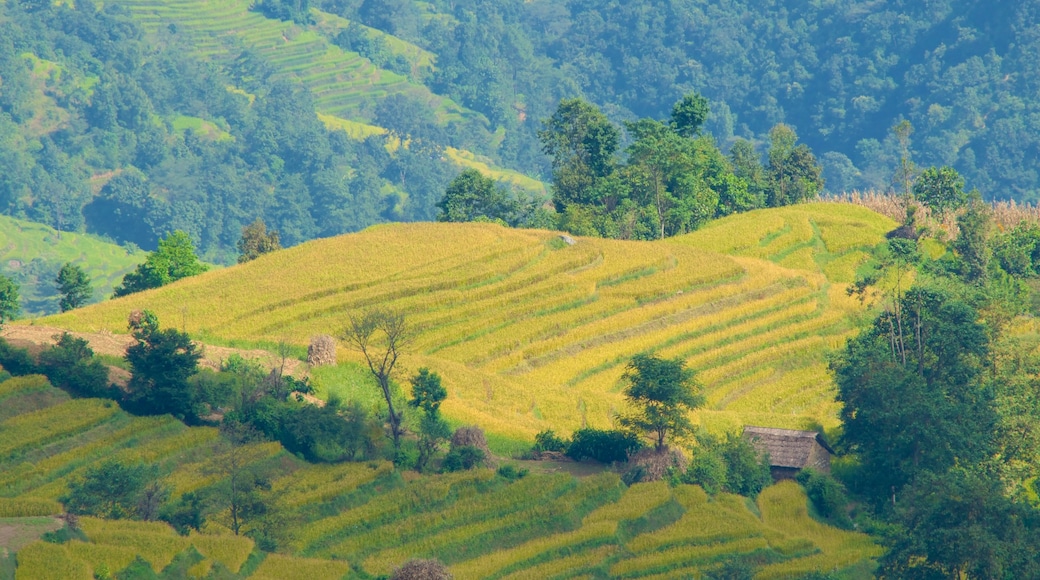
325	116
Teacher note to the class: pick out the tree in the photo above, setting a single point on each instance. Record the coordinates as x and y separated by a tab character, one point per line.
794	174
240	492
160	363
256	241
471	196
689	114
912	392
972	244
175	259
70	365
74	287
9	306
427	395
941	189
663	392
960	525
111	490
581	142
381	337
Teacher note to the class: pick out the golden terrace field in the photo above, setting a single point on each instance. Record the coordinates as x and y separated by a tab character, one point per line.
358	520
531	333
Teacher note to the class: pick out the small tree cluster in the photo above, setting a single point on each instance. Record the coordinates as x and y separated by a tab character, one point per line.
731	464
174	259
256	241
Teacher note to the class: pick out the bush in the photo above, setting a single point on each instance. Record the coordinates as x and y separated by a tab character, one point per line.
609	446
16	361
827	496
708	471
548	441
71	366
111	490
747	473
511	473
464	457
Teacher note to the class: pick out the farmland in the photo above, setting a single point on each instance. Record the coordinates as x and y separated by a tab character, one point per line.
32	254
357	519
531	333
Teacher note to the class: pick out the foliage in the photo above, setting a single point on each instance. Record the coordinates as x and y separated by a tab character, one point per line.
663	392
730	464
909	385
604	446
973	242
74	287
471	197
548	440
175	259
941	189
111	490
959	524
794	174
827	496
427	395
161	361
463	457
256	241
581	142
381	336
15	360
70	365
9	306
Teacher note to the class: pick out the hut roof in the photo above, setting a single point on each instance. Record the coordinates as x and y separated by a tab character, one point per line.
786	447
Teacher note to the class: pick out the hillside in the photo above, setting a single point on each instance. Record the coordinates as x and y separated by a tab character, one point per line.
371	518
531	333
32	254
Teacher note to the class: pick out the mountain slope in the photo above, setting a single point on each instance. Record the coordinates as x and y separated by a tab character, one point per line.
530	332
32	254
357	519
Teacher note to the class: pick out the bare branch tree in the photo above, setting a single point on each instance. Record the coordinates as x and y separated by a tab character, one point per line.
381	336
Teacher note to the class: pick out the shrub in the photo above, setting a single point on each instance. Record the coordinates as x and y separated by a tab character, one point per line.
111	490
548	441
708	471
16	361
747	473
511	473
827	496
70	365
464	457
605	446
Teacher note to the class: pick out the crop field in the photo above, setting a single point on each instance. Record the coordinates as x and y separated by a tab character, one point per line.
530	333
341	81
32	254
366	517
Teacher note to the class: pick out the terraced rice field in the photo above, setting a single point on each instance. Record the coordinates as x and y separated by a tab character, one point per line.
341	81
530	332
359	520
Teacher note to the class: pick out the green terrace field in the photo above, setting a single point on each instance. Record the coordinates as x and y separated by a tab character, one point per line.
357	520
342	82
532	333
32	254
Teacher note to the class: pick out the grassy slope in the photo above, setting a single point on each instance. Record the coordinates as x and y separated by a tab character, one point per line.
33	253
530	333
369	517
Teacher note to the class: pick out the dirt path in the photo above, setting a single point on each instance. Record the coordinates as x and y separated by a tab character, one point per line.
36	337
17	532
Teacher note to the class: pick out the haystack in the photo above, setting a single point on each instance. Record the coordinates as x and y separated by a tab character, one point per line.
322	351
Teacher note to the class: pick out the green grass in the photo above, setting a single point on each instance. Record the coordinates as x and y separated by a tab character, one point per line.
32	254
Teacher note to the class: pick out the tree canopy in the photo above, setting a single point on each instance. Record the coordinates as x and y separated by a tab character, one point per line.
174	259
662	393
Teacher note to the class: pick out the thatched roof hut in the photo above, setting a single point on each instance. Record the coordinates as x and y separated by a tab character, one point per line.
790	451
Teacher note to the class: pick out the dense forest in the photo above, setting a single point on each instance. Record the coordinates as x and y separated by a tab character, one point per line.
131	134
